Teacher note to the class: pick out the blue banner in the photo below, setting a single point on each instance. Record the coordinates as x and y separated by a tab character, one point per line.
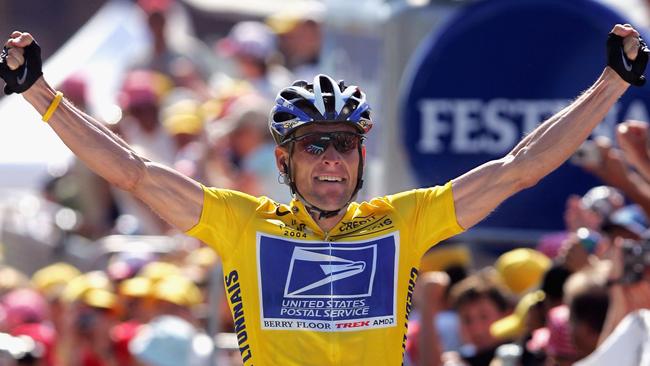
489	76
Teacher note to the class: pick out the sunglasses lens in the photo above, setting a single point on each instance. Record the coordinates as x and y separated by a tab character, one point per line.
345	142
317	143
314	144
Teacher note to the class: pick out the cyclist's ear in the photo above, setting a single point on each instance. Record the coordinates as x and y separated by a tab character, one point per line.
281	159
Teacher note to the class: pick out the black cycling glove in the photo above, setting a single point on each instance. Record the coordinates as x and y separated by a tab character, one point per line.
26	75
628	70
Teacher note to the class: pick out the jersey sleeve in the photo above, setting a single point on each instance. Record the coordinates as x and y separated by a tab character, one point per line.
429	213
224	215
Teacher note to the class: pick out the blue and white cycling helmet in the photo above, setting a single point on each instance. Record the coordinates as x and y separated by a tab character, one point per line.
324	101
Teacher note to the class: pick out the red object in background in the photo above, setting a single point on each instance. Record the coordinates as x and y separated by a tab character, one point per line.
41	333
155	6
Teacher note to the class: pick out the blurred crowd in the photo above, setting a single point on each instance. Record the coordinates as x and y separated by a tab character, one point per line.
579	296
209	123
143	309
144	305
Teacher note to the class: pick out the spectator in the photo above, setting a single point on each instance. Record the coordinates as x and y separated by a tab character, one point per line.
553	286
51	281
91	314
624	339
479	301
522	321
299	32
522	269
183	121
560	350
251	161
442	268
11	279
170	341
171	42
252	45
627	345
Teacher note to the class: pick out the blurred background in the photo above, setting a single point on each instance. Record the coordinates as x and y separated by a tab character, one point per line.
189	83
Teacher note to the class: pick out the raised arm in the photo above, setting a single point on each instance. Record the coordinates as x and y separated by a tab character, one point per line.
633	138
481	190
176	198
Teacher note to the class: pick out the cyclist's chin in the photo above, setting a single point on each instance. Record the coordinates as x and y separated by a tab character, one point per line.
329	198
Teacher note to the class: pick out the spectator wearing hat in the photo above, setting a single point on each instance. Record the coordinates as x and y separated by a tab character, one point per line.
177	295
23	306
171	291
624	338
172	42
183	120
171	341
592	208
629	222
51	281
522	269
300	37
251	149
519	327
252	46
140	98
522	321
136	299
141	128
26	313
588	211
11	279
91	308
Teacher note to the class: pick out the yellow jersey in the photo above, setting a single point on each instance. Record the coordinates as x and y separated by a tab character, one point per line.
301	296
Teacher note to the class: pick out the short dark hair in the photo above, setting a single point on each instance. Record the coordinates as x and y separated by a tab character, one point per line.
477	287
553	282
590	308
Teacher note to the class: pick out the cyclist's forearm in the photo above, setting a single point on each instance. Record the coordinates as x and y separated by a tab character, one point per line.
99	148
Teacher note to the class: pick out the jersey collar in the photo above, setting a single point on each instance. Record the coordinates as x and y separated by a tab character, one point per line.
300	213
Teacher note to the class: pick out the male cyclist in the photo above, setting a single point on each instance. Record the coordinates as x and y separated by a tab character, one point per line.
324	280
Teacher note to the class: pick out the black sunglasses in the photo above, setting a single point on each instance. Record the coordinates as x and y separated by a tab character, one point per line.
317	142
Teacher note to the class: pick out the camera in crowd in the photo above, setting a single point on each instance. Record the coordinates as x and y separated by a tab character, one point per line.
636	259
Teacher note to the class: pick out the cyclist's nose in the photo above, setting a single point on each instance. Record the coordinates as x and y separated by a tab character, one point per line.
331	155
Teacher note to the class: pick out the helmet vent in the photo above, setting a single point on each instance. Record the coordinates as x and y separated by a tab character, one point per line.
307	107
282	116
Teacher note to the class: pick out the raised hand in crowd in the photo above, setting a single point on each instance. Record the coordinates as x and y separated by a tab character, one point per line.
613	170
430	299
624	297
632	137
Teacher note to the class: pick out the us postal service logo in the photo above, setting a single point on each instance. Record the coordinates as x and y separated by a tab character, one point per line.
327	286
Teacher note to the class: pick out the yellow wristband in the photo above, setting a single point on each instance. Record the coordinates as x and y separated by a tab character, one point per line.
53	106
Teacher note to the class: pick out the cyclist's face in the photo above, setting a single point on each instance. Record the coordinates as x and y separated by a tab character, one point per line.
325	176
